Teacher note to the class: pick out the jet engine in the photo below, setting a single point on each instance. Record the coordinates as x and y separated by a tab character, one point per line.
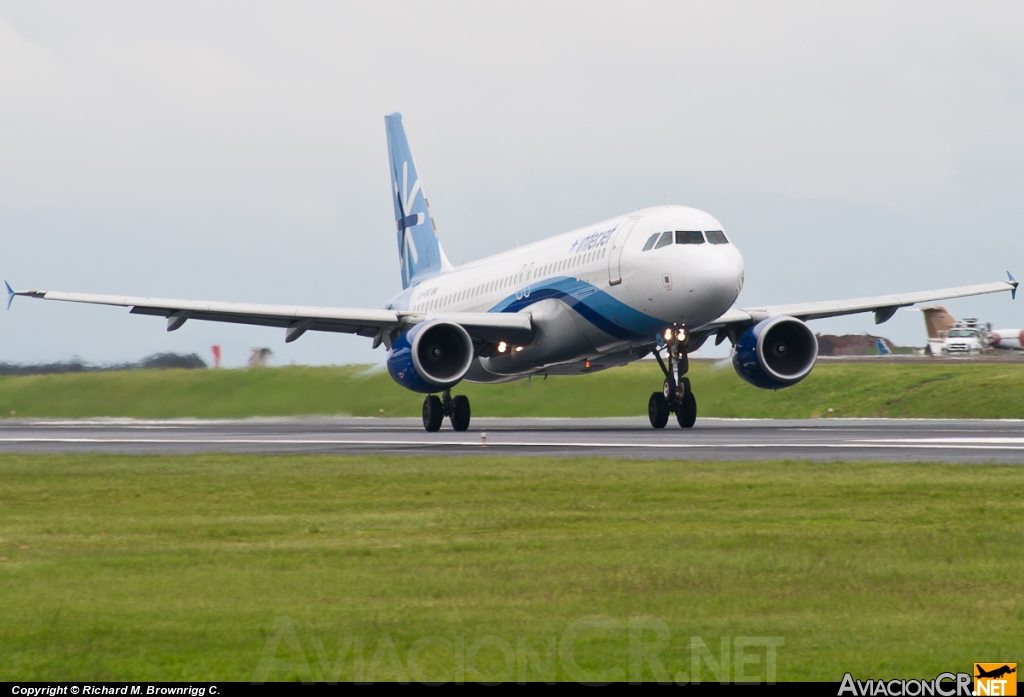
430	357
775	353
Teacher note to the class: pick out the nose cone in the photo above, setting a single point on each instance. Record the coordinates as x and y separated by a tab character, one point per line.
726	275
715	275
718	265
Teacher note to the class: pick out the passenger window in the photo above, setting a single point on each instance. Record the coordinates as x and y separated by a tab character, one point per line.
650	242
689	237
716	237
666	239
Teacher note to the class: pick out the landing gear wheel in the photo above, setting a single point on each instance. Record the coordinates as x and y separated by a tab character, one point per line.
433	413
460	412
687	412
657	410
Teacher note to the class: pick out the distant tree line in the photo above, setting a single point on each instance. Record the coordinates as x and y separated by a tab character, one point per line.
854	345
158	361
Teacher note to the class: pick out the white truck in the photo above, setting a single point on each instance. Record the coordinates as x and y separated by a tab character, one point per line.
948	336
967	337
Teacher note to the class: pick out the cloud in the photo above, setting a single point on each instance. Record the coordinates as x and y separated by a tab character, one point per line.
253	131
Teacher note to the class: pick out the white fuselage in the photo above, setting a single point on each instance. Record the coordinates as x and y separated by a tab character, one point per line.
596	297
1012	339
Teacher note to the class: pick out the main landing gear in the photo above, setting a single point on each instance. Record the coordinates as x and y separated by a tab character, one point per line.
676	397
436	408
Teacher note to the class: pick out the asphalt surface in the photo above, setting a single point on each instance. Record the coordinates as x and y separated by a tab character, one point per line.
920	440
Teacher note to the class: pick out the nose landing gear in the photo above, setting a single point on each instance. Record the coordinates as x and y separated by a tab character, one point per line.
436	408
676	396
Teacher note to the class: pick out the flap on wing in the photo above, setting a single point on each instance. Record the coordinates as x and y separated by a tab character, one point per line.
511	327
883	305
346	320
514	328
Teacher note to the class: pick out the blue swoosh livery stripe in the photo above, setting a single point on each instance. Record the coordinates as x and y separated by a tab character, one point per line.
611	316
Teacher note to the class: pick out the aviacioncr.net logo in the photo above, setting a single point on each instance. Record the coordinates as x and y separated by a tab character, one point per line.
944	685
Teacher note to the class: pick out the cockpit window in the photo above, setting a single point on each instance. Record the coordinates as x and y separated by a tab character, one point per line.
650	242
666	239
716	237
689	237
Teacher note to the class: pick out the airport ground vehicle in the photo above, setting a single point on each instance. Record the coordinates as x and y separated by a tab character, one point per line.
969	336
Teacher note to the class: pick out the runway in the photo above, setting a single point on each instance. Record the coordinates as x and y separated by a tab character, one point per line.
924	440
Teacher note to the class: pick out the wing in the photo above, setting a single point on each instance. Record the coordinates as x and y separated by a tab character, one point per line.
381	325
884	306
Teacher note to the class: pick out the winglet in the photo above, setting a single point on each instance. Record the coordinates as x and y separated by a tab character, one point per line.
1013	293
10	294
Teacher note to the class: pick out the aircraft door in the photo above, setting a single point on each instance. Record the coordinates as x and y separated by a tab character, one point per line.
524	281
615	253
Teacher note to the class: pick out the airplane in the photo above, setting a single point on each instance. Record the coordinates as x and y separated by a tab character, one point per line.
660	280
996	672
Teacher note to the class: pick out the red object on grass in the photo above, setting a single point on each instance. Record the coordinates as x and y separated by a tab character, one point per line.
216	355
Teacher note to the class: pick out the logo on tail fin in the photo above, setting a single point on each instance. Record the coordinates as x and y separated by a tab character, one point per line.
408	254
418	250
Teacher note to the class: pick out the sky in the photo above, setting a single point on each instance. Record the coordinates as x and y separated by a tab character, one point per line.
236	151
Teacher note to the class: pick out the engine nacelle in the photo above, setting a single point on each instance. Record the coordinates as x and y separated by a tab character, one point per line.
430	357
775	353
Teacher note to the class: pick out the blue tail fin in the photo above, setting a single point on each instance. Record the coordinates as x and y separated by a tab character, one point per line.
883	350
418	248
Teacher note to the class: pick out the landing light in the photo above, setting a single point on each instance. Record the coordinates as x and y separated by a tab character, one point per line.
668	334
502	347
519	348
681	335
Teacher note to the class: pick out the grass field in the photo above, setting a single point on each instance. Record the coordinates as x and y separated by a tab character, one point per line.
854	389
184	568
